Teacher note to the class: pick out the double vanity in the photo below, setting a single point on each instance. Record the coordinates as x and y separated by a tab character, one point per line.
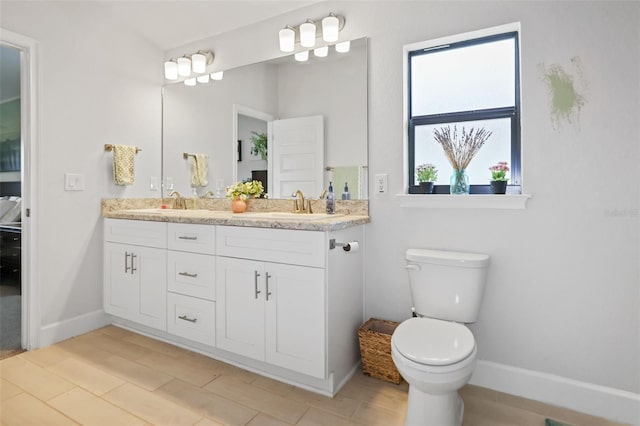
270	292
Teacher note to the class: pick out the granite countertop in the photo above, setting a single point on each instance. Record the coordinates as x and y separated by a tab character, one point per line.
271	219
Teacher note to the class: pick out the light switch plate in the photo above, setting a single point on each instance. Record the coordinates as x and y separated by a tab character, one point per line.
74	182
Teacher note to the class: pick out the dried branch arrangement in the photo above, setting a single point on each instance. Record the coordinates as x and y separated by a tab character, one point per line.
460	151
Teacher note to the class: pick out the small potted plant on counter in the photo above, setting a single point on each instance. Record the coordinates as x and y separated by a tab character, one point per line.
499	178
240	191
426	174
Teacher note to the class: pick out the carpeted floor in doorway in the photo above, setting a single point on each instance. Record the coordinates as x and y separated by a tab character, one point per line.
10	316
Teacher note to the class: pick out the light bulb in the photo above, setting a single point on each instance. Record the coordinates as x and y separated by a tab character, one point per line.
343	47
330	28
204	79
198	63
302	56
184	67
321	52
287	37
171	70
308	34
190	82
217	75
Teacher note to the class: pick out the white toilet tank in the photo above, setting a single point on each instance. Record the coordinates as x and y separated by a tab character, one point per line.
447	285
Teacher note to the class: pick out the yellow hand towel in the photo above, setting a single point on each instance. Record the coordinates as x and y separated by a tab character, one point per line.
123	159
199	170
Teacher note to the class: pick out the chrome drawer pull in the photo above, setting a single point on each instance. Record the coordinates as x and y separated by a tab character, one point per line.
126	262
267	285
184	237
186	318
256	283
186	274
133	269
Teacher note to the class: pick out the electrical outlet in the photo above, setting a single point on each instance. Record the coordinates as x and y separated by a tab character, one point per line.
382	181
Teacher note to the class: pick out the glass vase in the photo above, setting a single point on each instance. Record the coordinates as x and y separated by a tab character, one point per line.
459	182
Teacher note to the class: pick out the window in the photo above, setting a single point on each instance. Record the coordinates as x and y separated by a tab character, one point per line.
471	80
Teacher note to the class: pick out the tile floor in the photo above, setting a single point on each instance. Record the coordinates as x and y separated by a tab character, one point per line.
115	377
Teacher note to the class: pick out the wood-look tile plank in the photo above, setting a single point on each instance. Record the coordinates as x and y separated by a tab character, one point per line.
155	345
194	374
25	409
115	346
259	399
264	420
208	422
32	378
88	409
114	331
86	375
8	390
317	417
215	407
44	357
130	371
371	414
220	367
151	407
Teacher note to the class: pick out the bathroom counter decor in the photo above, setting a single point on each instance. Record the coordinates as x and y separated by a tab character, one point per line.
375	350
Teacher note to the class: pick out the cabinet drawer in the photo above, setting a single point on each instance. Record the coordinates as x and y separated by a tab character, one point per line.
192	318
136	232
192	238
273	245
191	274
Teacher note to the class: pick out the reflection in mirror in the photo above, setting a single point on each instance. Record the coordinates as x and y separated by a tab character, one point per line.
219	119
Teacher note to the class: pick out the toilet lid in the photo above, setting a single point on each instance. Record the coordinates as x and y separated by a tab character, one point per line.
433	342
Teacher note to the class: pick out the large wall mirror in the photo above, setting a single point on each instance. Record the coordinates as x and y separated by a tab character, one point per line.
313	115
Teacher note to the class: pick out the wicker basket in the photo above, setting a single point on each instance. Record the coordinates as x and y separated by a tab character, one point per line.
375	350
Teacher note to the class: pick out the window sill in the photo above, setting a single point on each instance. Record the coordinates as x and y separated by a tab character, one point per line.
474	201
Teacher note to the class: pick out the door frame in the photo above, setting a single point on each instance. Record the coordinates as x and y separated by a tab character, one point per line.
249	112
29	123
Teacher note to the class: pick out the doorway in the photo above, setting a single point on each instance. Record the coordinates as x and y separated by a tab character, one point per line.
19	322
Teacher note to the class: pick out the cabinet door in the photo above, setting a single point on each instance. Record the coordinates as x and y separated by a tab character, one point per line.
295	318
240	306
135	284
121	288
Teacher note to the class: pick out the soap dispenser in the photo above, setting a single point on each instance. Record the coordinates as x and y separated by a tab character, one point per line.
331	200
345	193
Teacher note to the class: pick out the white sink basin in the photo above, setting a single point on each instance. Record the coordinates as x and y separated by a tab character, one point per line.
300	217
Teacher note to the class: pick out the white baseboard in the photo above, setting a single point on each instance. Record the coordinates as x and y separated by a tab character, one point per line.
609	403
62	330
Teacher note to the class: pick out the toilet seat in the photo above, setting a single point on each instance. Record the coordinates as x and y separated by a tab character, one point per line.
433	342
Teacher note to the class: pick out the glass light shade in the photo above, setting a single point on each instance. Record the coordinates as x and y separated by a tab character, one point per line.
321	52
330	28
198	63
308	34
184	67
302	56
217	75
287	39
204	79
171	70
190	82
343	47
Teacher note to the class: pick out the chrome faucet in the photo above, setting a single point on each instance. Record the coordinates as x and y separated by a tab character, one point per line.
179	202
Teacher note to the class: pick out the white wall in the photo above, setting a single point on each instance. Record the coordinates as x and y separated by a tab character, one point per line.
563	286
99	83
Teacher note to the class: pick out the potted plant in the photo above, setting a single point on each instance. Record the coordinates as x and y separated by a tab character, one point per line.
426	175
240	191
259	144
459	152
499	177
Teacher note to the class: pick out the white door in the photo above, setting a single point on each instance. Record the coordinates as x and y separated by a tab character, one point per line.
240	306
296	156
295	318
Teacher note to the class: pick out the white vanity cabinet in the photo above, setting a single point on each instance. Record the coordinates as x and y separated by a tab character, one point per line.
135	283
191	282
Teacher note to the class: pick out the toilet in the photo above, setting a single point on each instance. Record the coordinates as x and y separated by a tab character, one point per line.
434	351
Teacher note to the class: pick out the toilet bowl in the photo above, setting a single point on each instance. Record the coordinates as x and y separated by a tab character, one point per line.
436	358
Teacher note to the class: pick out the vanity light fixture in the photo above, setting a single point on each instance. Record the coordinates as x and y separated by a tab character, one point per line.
203	79
321	52
184	66
302	56
190	82
217	75
306	33
200	60
343	47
